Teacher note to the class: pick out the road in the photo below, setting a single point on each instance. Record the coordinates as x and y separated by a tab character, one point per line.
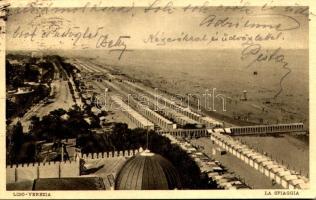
62	99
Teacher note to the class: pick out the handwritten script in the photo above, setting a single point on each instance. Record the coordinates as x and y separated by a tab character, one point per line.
258	55
261	33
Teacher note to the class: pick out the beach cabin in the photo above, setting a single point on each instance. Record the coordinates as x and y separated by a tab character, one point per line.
293	184
268	165
236	183
217	178
275	170
244	156
286	181
219	142
234	145
249	157
218	151
222	181
211	175
232	185
227	185
280	175
217	169
226	145
240	150
191	150
206	169
211	163
252	159
231	188
230	148
260	161
298	184
199	154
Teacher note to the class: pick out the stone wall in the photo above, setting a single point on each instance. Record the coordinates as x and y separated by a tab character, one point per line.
31	171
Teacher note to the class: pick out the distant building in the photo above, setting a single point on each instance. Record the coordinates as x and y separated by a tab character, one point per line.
21	93
38	54
15	62
96	111
23	90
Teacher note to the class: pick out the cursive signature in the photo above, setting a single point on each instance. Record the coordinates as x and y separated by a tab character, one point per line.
257	54
251	23
113	45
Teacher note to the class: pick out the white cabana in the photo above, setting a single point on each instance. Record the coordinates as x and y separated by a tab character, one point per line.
293	184
212	174
268	165
275	170
280	176
287	180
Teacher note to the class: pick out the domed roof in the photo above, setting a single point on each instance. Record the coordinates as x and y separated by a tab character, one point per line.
147	171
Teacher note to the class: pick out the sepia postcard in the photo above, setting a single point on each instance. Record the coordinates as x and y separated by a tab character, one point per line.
157	99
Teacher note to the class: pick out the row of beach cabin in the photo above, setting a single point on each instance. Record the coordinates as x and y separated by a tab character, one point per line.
264	129
213	168
186	112
153	116
277	172
134	116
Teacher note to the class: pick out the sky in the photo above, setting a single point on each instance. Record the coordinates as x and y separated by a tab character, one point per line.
139	25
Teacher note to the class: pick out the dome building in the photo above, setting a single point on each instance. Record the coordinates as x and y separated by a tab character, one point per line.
147	171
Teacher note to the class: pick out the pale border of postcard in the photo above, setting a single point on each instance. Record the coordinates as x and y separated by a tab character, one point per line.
311	193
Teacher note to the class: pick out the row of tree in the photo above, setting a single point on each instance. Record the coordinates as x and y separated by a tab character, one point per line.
123	138
54	127
19	107
18	75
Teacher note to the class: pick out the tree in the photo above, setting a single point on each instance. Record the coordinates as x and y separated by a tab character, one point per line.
17	81
58	112
17	140
11	108
31	74
35	121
